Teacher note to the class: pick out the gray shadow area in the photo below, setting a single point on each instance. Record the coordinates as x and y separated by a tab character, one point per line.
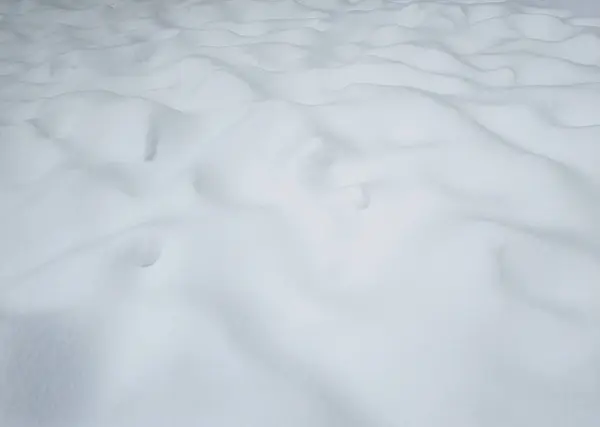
46	372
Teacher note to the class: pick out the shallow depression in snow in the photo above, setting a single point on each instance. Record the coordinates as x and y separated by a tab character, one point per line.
299	213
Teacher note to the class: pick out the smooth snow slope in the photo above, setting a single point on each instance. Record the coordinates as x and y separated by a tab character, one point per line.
299	213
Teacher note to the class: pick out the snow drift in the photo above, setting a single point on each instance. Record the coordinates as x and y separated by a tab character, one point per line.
299	213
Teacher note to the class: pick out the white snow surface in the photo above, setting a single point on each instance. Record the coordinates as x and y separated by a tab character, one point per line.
299	213
581	7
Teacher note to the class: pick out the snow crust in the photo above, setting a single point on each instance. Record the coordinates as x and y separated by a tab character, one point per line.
268	213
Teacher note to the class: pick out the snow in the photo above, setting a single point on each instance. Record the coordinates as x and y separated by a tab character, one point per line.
578	7
299	213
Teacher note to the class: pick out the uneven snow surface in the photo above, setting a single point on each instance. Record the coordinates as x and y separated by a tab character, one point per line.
298	213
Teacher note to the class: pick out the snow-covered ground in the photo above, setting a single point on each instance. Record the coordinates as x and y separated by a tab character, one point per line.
299	213
578	7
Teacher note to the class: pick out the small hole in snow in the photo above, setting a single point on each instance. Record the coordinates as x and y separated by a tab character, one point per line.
147	252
